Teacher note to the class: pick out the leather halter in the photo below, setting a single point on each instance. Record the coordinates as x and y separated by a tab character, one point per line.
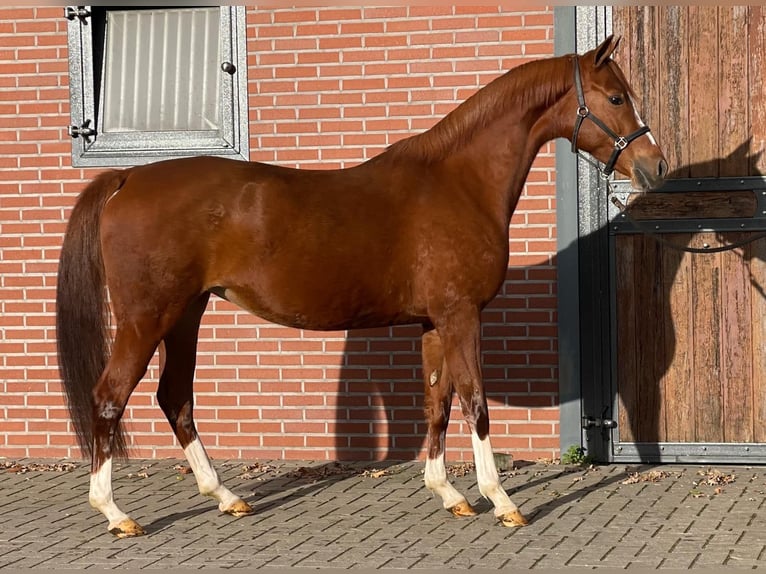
583	113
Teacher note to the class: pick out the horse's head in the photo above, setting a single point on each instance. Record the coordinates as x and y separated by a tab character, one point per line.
606	123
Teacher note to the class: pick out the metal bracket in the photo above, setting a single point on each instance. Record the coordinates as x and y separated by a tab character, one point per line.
72	12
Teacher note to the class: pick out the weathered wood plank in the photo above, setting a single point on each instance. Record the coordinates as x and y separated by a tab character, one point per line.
736	347
673	82
706	323
734	97
757	272
757	97
703	91
678	395
650	347
622	26
627	387
645	64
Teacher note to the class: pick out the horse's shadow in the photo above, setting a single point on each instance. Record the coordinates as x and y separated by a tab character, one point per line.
270	497
276	490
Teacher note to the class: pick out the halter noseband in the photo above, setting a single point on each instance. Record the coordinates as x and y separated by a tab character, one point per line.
583	113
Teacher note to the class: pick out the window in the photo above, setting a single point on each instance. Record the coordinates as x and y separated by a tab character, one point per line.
153	83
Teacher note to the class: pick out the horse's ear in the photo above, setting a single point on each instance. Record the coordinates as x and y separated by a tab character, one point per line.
605	50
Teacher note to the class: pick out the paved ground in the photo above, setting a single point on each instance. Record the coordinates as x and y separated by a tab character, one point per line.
320	515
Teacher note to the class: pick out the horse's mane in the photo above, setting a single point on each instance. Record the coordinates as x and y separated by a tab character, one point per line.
531	85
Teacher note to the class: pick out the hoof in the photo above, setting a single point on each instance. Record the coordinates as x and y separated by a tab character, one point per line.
462	509
127	529
513	519
239	508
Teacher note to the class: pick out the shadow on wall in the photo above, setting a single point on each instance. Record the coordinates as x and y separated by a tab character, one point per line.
676	345
379	409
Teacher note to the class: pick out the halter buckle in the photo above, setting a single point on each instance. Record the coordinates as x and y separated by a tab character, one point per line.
583	111
621	143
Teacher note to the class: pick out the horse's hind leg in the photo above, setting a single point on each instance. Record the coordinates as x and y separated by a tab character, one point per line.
438	402
460	335
132	349
176	399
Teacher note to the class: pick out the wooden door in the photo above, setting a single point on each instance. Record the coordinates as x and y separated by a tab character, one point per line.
689	353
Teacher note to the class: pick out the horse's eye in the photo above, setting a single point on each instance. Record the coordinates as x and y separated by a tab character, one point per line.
616	100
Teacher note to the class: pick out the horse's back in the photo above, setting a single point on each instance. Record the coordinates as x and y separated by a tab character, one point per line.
313	248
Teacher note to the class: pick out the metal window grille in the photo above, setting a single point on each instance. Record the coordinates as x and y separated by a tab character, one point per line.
161	70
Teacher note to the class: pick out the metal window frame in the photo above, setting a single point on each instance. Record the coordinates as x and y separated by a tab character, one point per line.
93	149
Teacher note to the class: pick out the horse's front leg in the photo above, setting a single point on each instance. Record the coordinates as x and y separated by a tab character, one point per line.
460	336
438	402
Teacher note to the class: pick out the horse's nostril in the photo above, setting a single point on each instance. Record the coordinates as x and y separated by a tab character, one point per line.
662	168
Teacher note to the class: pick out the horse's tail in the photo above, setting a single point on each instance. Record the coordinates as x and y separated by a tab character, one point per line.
82	309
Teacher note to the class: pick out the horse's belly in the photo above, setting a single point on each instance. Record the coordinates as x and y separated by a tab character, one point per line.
320	310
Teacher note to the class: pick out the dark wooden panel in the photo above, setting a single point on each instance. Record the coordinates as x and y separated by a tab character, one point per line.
736	344
627	388
693	205
757	272
706	317
650	347
678	395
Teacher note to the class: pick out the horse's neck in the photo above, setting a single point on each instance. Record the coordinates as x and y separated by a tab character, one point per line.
503	151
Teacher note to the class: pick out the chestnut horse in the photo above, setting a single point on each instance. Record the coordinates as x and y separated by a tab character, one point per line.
416	235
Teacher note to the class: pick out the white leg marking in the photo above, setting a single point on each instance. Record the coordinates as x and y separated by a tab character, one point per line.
436	481
487	477
207	478
101	497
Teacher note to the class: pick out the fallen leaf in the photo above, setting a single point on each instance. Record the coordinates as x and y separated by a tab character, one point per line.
461	469
373	473
713	477
648	476
15	467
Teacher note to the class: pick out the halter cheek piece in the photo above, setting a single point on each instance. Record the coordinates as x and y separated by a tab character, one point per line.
583	113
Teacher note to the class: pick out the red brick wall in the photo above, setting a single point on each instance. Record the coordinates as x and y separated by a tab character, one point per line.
328	87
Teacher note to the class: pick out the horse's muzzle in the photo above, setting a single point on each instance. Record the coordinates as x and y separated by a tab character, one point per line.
649	174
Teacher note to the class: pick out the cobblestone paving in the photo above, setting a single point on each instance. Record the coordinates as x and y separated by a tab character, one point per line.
313	515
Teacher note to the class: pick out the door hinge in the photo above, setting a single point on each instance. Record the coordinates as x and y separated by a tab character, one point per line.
589	422
84	130
72	12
